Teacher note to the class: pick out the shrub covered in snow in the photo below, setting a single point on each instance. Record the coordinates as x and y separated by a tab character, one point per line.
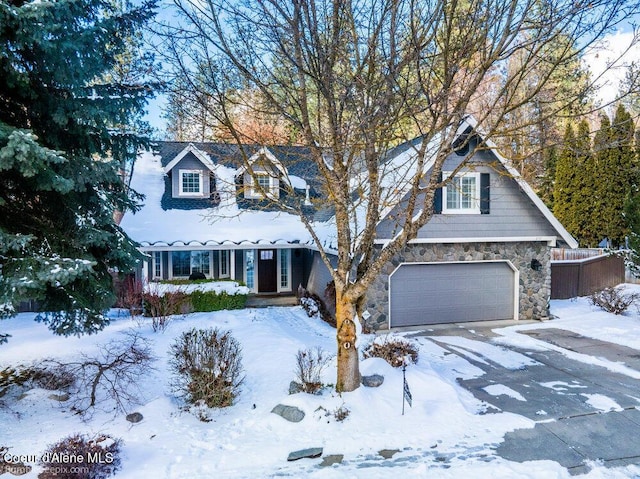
207	367
163	300
79	457
613	300
314	305
393	349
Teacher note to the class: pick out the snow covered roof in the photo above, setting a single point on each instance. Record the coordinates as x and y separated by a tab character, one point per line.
204	226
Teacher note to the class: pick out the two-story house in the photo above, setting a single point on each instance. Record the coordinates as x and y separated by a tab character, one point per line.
484	255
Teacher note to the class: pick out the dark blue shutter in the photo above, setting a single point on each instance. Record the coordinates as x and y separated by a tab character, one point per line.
437	198
485	193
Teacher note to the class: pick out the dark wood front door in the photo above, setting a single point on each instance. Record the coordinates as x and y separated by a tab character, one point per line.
267	271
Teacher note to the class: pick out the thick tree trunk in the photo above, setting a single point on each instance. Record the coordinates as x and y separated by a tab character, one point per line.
348	365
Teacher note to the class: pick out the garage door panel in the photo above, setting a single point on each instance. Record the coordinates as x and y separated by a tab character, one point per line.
423	294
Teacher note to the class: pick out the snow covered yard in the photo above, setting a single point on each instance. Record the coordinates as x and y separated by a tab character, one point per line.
443	435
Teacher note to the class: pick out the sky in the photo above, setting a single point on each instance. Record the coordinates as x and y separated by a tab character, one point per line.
607	63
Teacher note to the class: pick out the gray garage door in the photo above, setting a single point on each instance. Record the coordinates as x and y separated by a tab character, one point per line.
422	294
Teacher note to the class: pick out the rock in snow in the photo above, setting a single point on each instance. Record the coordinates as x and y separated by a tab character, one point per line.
302	453
372	381
134	417
290	413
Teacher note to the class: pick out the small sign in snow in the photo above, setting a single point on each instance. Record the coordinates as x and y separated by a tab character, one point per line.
406	392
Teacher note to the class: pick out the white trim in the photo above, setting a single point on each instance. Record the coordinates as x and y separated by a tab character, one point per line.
279	275
254	193
190	148
232	261
255	270
550	240
153	265
475	210
264	151
230	245
200	174
516	282
170	262
228	273
145	272
566	236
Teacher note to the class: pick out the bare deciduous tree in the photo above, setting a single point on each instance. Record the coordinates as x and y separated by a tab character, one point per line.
356	78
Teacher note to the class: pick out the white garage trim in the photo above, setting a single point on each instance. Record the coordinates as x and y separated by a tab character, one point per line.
516	280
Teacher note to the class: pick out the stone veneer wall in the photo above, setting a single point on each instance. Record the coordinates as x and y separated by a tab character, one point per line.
534	287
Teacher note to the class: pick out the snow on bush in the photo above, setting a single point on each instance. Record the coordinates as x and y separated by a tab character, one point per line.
393	349
310	363
207	367
612	300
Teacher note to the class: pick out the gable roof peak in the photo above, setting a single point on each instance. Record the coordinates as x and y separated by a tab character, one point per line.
199	154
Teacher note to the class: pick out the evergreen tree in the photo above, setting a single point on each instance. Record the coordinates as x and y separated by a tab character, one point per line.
620	171
565	182
572	195
586	186
59	186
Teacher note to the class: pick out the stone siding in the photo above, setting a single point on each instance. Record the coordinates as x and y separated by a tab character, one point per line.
534	286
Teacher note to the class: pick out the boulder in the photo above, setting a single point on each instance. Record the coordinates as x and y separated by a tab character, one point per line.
372	381
311	452
295	388
290	413
331	459
388	453
134	417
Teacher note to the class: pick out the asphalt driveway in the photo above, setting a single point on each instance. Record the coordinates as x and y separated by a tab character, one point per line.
565	398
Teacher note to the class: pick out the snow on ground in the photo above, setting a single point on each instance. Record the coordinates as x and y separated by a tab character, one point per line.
442	435
580	316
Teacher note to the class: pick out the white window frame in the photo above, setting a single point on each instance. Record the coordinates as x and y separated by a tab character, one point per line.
271	190
226	255
170	265
475	196
255	269
287	286
181	191
156	263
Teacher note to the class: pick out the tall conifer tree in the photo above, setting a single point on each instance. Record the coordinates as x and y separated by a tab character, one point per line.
59	188
619	172
565	181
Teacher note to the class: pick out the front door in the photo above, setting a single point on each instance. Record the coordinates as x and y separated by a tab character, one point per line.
267	271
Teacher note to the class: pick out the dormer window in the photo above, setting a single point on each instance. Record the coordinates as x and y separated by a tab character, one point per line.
190	183
263	183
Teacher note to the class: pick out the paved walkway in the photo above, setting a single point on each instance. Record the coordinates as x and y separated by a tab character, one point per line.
564	396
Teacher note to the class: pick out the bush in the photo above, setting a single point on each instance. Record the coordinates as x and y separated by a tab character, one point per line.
613	300
130	294
309	366
394	350
111	376
100	458
52	377
205	301
314	305
207	367
160	307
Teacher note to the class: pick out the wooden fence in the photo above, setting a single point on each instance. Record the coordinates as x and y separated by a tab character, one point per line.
582	277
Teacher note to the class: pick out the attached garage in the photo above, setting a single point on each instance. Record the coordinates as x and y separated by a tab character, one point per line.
433	293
